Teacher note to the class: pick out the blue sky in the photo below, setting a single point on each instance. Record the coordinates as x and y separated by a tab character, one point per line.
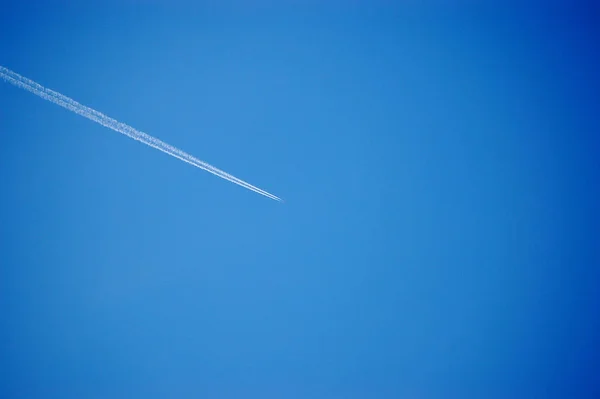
439	236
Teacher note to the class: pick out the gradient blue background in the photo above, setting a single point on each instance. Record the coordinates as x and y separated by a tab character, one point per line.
440	235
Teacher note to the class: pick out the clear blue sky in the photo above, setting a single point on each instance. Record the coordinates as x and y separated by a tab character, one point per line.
440	168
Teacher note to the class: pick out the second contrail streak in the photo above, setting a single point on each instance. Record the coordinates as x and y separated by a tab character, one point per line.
72	105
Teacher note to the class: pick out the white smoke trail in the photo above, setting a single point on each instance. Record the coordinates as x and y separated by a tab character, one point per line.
98	117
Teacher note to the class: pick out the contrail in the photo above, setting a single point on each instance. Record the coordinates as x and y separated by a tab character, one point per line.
99	117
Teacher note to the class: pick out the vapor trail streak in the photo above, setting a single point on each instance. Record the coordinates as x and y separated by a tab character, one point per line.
98	117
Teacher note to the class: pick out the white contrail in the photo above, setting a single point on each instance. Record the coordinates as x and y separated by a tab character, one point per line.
72	105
